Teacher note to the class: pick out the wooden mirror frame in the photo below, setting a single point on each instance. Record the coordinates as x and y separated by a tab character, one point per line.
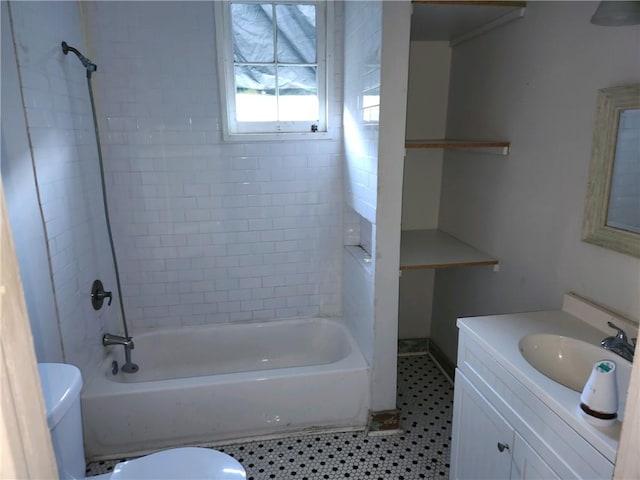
611	102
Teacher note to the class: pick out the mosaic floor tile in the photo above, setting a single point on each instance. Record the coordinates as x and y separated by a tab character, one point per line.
425	400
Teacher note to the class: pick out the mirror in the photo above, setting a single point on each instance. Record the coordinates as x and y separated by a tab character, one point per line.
612	212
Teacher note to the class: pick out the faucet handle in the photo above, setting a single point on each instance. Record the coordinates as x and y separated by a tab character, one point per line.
98	294
620	335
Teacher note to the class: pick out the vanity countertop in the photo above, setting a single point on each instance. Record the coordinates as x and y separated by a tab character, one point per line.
500	335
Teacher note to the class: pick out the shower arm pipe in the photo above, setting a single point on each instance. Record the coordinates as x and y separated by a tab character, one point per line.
86	63
66	48
92	67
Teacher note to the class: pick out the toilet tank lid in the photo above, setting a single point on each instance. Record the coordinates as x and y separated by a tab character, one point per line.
61	384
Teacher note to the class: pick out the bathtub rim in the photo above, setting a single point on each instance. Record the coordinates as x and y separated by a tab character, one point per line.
351	375
100	385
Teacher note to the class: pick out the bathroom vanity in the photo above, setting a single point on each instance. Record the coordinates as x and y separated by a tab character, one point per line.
511	421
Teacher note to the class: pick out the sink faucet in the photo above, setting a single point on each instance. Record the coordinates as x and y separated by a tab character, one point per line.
127	342
619	343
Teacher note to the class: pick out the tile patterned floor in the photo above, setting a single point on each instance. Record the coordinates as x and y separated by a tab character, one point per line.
425	399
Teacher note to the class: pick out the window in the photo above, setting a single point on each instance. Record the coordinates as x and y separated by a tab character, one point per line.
273	66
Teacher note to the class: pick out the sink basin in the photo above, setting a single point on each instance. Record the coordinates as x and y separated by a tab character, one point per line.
569	362
565	360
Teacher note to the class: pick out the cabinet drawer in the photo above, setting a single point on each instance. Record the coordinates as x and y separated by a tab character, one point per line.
566	452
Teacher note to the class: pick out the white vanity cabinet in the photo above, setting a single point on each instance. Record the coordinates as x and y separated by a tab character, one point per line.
503	430
526	464
478	430
486	446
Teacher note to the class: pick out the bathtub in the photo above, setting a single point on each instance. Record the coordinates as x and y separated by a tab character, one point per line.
218	383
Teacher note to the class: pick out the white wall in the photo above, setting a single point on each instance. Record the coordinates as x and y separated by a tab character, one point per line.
376	64
533	82
396	20
429	64
65	162
208	231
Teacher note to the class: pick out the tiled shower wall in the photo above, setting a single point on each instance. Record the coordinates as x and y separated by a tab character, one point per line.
208	231
64	158
363	38
363	48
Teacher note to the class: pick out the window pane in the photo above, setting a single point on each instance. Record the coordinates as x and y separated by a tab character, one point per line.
252	27
256	99
296	33
371	105
298	90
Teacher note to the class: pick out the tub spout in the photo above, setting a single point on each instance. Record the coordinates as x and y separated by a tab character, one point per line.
127	343
109	339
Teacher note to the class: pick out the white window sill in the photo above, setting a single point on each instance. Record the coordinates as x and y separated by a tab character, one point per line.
271	137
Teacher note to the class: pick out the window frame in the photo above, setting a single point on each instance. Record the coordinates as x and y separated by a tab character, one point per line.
234	130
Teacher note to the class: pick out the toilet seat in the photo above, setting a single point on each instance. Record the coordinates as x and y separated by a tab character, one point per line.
181	463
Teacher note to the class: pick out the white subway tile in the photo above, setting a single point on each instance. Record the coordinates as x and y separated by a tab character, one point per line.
229	307
262	293
266	314
251	283
275	302
216	297
240	316
249	305
216	220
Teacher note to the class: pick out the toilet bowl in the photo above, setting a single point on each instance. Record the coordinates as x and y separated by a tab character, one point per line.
61	385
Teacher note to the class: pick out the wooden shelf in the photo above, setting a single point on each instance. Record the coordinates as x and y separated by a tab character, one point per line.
436	249
480	146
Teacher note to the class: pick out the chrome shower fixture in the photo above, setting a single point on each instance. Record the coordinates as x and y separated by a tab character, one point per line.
127	343
98	294
86	63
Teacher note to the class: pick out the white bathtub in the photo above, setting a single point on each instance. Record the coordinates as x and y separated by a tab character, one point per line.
199	385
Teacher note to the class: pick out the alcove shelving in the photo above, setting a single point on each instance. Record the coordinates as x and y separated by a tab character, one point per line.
455	21
423	249
437	249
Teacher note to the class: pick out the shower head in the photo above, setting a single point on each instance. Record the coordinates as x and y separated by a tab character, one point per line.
86	63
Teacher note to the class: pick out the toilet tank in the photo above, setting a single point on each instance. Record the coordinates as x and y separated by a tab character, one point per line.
61	385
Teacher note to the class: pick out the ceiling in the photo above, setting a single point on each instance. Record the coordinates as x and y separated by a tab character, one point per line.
447	21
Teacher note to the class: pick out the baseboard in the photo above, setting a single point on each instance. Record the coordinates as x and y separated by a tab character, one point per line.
447	367
412	346
425	346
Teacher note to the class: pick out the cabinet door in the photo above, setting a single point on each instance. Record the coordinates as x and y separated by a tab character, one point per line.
482	439
527	464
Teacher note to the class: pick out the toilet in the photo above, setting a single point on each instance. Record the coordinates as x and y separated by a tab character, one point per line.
61	385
